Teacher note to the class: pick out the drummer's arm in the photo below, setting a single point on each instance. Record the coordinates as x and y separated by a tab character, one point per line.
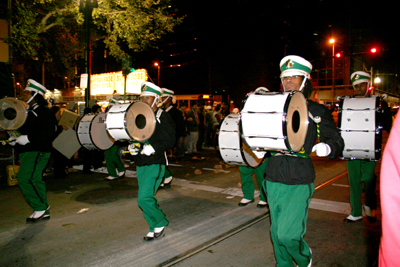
330	135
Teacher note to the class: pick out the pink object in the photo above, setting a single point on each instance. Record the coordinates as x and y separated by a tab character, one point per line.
390	200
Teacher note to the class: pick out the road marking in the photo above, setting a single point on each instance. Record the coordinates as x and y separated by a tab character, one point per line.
316	204
341	185
219	170
331	206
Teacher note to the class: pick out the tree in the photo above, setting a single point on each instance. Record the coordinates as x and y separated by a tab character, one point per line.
52	31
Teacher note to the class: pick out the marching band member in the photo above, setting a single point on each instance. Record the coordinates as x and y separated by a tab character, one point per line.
289	177
363	171
114	165
248	187
34	149
177	117
150	161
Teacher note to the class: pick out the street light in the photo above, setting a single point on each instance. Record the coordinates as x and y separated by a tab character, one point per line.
332	41
158	67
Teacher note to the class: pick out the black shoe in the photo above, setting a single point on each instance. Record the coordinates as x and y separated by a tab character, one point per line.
241	204
371	219
167	185
148	238
261	206
160	234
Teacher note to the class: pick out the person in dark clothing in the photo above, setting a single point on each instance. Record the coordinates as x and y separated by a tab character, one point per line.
59	160
177	117
289	177
151	160
34	147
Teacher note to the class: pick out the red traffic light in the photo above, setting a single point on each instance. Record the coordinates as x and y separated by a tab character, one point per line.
370	88
374	50
338	55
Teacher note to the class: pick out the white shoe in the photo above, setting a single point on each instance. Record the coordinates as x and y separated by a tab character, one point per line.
126	165
351	218
168	180
111	178
121	174
368	211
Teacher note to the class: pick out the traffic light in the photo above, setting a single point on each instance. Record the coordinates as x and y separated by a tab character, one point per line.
338	55
127	65
370	88
374	50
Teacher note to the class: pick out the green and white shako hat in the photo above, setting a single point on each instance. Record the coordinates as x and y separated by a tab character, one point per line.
360	77
150	89
295	65
167	92
34	86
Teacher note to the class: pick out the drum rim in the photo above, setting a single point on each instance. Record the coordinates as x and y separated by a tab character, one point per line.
242	152
93	145
124	130
286	123
378	133
24	114
153	121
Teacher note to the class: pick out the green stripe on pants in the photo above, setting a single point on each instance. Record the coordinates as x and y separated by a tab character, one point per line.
30	178
149	179
289	210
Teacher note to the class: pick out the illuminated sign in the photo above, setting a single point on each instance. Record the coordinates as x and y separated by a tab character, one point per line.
113	82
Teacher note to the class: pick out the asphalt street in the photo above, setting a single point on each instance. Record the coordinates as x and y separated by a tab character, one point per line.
95	222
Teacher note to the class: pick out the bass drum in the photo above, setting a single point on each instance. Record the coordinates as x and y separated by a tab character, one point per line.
13	113
92	132
275	121
131	122
233	150
359	124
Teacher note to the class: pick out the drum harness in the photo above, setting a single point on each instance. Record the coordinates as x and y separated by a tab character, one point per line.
302	152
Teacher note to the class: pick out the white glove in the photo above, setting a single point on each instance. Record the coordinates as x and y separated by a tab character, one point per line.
259	154
11	140
322	149
147	150
22	140
134	148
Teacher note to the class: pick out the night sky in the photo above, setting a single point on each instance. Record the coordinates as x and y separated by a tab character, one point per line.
240	43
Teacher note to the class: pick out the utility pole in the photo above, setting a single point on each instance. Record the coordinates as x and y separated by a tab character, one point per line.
86	7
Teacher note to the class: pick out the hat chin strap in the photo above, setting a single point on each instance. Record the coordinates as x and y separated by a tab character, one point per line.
301	86
366	91
155	101
162	103
30	99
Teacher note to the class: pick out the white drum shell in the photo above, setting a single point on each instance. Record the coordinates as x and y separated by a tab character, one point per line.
131	121
233	150
116	123
359	128
263	119
92	132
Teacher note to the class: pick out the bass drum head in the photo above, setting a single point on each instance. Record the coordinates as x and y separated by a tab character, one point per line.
297	121
140	121
100	137
250	158
12	113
